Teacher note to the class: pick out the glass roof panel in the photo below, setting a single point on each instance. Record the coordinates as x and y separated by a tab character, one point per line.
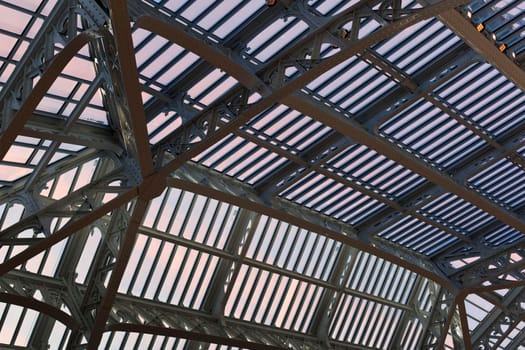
191	248
483	96
456	213
275	243
504	182
192	217
332	198
273	299
416	46
241	159
418	235
277	35
375	276
354	316
364	166
21	22
503	235
428	132
286	128
154	272
477	309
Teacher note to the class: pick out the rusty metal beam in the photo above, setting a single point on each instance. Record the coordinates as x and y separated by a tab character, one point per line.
126	247
480	43
41	307
130	80
189	335
39	90
304	104
464	324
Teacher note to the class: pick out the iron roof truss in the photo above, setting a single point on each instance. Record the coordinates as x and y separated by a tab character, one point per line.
262	174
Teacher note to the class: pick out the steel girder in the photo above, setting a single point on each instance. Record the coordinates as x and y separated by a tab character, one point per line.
454	188
11	132
454	185
501	322
132	314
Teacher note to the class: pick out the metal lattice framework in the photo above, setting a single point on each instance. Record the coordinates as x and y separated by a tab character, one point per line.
312	174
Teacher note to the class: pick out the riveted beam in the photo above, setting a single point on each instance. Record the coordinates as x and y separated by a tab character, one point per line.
83	134
467	31
201	131
127	242
130	102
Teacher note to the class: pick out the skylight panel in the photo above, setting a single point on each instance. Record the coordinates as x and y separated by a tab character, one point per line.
70	180
514	335
154	272
233	21
503	181
277	35
210	88
163	125
366	96
286	128
158	60
365	166
353	75
375	276
360	82
241	159
286	246
332	75
134	340
197	9
178	69
147	46
348	205
273	299
13	317
25	5
154	57
15	22
412	48
10	214
501	236
417	235
192	217
88	254
215	14
364	322
330	7
496	104
456	213
58	337
175	5
431	134
477	309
